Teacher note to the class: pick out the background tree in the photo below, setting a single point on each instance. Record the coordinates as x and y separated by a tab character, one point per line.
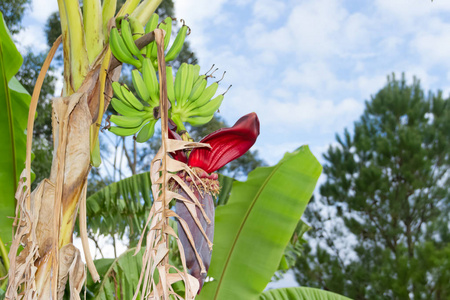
387	189
13	12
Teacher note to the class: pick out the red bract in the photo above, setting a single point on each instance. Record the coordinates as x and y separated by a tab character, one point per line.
226	144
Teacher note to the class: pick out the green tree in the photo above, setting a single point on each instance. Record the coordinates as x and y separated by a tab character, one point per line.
384	208
13	12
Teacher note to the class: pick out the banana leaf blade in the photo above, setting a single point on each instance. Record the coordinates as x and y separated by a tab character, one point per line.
14	105
300	293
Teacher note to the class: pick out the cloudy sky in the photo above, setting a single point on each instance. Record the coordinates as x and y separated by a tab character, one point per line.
306	67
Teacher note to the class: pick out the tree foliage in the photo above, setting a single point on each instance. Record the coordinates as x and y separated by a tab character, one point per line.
386	233
13	11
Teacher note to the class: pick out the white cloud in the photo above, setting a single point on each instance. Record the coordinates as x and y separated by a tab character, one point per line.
433	47
306	114
407	10
32	38
42	9
268	10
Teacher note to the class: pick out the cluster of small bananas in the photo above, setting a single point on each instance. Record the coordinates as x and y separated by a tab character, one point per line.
123	44
190	97
136	115
188	92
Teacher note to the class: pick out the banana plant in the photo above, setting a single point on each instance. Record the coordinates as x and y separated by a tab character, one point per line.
47	216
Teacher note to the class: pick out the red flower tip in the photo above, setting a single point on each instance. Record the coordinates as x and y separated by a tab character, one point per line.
178	155
226	144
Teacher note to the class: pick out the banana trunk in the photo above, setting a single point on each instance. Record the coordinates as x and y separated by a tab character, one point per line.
56	200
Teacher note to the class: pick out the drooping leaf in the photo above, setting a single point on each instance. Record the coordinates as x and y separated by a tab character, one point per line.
294	249
253	229
119	276
225	184
300	293
14	104
121	205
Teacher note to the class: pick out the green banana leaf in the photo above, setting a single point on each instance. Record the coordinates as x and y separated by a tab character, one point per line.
14	105
293	250
300	293
119	276
253	229
225	184
119	206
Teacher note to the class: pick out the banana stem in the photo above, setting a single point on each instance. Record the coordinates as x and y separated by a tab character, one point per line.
76	62
101	105
145	10
93	28
108	11
128	7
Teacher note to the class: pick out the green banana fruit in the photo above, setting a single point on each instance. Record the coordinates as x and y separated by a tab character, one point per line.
131	98
127	37
188	84
126	121
124	109
177	45
180	82
165	25
117	89
199	87
198	121
120	50
196	72
208	109
168	29
170	86
151	25
124	131
207	94
139	86
151	81
146	132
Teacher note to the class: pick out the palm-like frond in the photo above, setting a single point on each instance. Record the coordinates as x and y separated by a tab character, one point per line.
121	207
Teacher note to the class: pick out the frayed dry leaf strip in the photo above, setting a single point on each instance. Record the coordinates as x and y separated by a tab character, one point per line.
22	270
162	170
70	267
40	237
176	145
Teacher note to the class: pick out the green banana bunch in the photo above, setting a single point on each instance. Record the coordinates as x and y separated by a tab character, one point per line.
122	44
190	97
135	117
166	25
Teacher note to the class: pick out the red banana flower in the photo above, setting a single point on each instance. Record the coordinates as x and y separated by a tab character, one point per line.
226	144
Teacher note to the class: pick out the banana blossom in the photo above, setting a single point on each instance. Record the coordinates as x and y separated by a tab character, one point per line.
226	144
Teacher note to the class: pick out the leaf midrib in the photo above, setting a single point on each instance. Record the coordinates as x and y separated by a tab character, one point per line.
224	269
10	121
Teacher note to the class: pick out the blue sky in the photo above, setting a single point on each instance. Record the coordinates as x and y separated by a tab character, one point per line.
306	67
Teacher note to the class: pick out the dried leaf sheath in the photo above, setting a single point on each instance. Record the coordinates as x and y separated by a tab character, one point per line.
164	169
